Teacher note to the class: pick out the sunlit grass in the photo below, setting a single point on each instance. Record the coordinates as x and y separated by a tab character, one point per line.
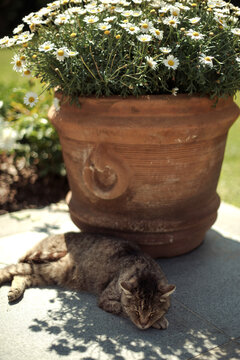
229	183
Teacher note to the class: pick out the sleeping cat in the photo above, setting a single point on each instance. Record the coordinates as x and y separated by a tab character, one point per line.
127	281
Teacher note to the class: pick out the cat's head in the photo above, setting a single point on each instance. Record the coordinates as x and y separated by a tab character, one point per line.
145	300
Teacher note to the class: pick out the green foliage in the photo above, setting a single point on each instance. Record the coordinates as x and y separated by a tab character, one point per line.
28	134
109	57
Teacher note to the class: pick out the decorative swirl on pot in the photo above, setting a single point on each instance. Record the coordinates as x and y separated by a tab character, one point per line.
104	174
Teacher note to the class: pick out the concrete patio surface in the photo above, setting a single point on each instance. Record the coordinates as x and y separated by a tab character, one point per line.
53	323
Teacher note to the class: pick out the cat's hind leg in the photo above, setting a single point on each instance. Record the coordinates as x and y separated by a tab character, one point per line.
18	286
7	273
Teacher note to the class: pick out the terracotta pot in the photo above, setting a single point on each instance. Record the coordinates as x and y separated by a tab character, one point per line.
147	168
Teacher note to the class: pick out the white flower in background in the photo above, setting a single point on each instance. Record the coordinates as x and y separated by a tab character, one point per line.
195	20
175	91
144	38
236	31
62	53
158	34
146	25
18	29
7	42
206	60
18	63
30	99
90	19
195	34
238	59
104	26
164	10
8	137
165	50
56	103
171	21
46	47
24	37
119	9
171	62
1	104
151	63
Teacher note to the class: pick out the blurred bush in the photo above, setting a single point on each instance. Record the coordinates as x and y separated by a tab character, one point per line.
26	133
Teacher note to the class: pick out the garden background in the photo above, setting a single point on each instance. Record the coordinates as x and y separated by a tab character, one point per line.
33	174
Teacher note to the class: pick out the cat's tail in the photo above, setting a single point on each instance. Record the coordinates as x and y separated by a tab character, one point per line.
42	256
7	273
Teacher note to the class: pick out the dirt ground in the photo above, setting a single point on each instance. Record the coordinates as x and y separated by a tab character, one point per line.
21	188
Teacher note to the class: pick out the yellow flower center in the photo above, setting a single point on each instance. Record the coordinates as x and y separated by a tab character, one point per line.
31	99
103	27
91	20
193	4
34	56
145	26
172	22
170	62
132	28
47	47
60	52
175	13
195	33
207	58
157	32
107	32
118	37
22	57
19	63
144	39
73	35
27	72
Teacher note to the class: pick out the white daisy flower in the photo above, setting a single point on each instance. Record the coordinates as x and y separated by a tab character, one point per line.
195	20
151	62
221	22
236	31
175	11
109	19
72	53
24	37
132	29
137	1
18	64
27	73
171	21
146	25
18	29
165	50
62	19
119	9
62	53
171	62
46	47
90	19
238	59
206	60
144	38
8	137
158	34
127	13
30	99
175	91
136	13
104	26
194	34
164	9
7	42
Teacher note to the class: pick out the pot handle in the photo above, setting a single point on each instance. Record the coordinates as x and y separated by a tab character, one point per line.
104	174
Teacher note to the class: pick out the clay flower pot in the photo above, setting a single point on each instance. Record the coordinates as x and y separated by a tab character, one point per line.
146	168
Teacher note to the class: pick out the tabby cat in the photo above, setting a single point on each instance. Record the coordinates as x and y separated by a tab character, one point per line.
127	281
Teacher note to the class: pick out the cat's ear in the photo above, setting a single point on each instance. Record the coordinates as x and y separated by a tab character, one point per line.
166	291
126	288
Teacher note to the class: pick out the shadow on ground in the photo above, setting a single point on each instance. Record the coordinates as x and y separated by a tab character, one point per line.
204	313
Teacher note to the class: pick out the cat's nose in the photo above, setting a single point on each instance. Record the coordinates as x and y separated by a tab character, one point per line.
144	324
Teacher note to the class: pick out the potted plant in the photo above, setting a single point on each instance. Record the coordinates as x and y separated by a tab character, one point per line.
143	105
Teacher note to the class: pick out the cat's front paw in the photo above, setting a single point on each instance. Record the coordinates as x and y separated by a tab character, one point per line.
161	324
14	294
